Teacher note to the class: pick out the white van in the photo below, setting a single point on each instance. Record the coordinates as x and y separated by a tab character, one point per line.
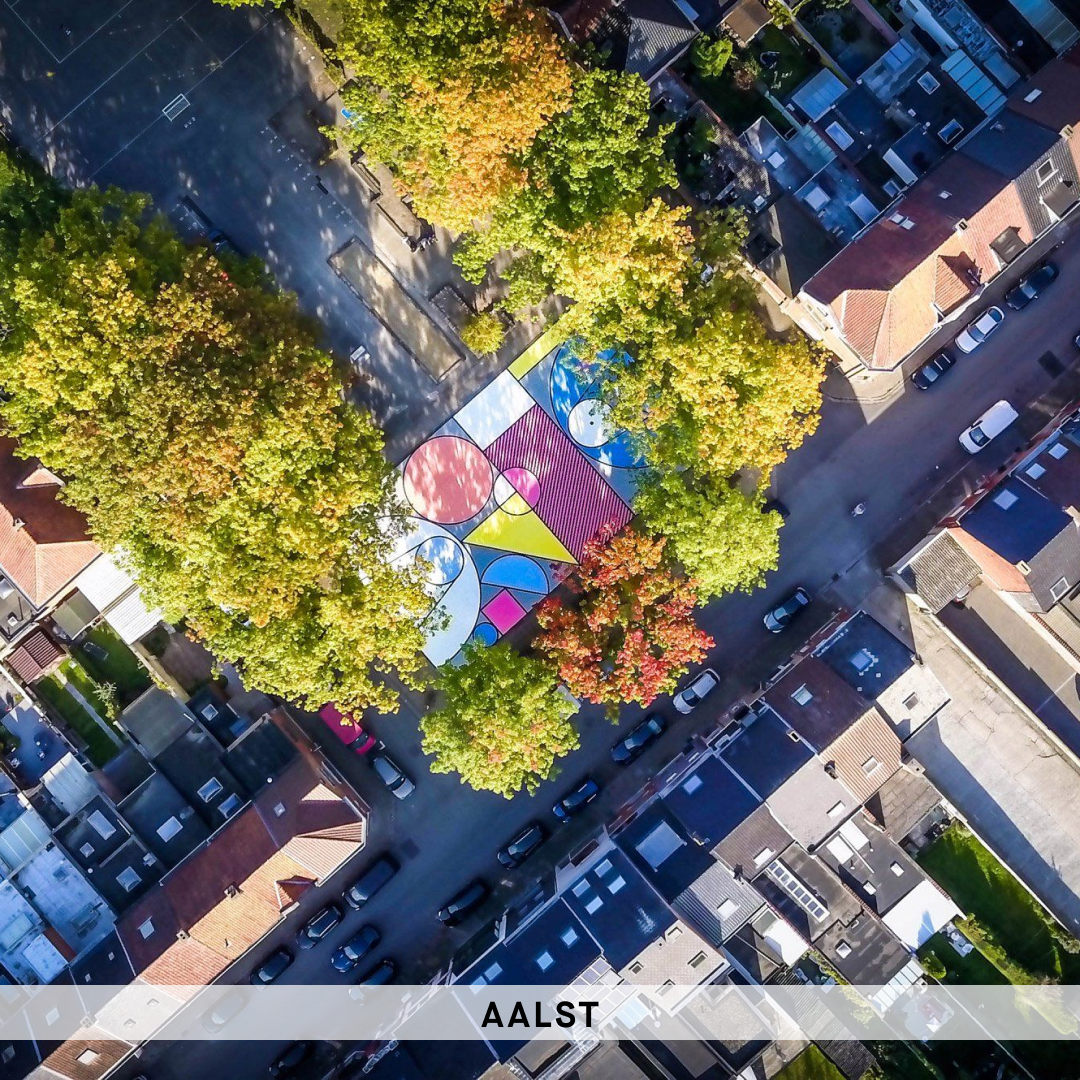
989	426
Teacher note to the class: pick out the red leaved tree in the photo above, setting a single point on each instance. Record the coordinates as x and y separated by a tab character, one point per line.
630	635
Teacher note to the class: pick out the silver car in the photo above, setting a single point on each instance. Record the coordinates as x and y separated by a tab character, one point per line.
974	334
704	684
389	773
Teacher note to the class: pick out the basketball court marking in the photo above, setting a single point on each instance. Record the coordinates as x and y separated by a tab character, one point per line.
13	5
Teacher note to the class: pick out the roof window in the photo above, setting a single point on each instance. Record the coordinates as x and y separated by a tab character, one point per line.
545	960
836	809
862	660
1032	95
211	788
1058	451
802	696
128	878
928	82
1061	587
1045	171
146	928
1034	471
169	828
950	132
568	936
87	1057
1006	499
692	785
843	949
726	908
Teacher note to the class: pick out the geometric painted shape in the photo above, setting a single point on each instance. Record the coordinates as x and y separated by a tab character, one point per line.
575	501
515	504
522	533
573	387
448	480
445	557
504	612
484	634
455	607
517	572
497	407
525	484
535	353
588	422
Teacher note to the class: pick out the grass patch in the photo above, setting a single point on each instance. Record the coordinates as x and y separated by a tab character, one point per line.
796	62
99	747
1006	923
904	1061
971	970
121	667
811	1064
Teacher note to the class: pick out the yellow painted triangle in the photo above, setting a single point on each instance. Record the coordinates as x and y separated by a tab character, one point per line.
524	534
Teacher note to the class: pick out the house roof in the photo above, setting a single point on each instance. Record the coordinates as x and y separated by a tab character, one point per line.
871	865
812	804
659	847
711	801
43	541
643	36
744	848
863	951
745	19
940	571
155	720
865	755
902	802
231	891
820	882
866	655
766	753
832	707
717	905
889	288
1015	521
34	656
87	1057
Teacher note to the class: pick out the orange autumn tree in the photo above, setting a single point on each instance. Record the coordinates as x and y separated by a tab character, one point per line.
449	95
630	635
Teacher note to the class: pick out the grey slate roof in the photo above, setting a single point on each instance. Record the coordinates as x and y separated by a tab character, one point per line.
742	846
875	955
841	905
940	571
700	904
902	802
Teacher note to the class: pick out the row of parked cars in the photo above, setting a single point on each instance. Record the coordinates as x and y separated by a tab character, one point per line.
1001	414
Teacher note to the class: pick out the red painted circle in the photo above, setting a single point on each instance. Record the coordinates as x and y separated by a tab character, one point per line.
448	480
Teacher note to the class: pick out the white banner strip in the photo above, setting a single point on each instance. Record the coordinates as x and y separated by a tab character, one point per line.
517	1014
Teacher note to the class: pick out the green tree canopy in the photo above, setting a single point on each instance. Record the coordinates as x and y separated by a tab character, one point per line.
720	536
503	722
205	437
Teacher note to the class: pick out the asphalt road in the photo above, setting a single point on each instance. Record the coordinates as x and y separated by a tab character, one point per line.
89	105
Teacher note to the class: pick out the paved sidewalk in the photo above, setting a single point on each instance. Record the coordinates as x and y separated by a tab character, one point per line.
1014	783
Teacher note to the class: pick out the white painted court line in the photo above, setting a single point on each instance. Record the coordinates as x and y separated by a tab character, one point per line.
130	60
30	30
99	29
176	107
221	63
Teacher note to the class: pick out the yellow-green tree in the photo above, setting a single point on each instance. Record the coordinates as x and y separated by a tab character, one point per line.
205	436
450	95
503	722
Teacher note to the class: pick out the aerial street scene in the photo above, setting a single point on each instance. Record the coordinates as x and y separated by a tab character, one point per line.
540	539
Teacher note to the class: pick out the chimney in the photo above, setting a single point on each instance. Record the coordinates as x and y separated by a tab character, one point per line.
18	523
830	768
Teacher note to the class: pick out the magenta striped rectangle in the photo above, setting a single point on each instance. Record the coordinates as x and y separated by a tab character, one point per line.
575	502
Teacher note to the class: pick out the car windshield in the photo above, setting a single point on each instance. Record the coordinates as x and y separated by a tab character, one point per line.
930	373
978	436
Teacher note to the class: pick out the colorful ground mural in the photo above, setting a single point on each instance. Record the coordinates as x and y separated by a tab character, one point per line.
507	494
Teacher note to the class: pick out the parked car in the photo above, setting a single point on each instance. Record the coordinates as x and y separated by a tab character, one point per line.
781	616
397	782
294	1054
272	968
382	973
989	426
704	684
465	902
355	949
219	242
633	745
229	1006
571	805
347	728
975	333
930	373
370	881
379	975
1032	286
319	925
522	846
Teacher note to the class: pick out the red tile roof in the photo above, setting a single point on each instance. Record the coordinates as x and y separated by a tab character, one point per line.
43	542
889	289
34	655
231	892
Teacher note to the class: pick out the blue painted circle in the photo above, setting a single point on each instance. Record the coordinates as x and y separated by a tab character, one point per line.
485	633
517	572
445	557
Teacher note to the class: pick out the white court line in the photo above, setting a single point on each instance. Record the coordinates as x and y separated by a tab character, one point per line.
30	30
189	90
98	30
130	59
